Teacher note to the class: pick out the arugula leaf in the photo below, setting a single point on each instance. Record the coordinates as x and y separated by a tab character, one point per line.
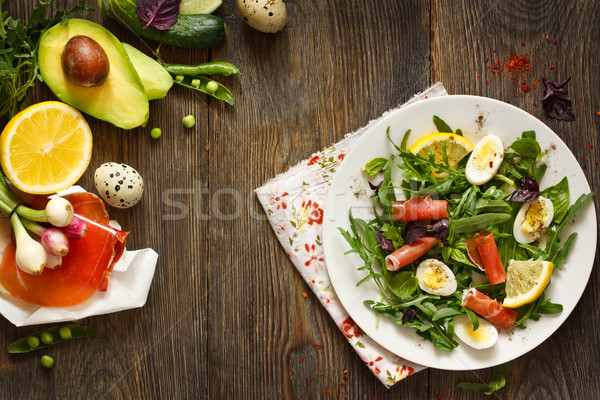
479	222
497	383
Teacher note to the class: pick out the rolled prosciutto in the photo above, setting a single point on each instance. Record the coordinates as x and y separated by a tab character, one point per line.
419	209
488	308
487	254
409	253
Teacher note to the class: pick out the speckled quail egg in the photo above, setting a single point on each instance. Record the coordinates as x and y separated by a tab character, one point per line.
484	160
533	219
484	337
436	278
268	16
118	184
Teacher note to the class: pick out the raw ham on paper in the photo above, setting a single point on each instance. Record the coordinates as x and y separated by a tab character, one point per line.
488	308
85	270
409	253
419	209
483	251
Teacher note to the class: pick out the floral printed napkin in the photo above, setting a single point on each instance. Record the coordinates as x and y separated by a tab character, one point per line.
294	203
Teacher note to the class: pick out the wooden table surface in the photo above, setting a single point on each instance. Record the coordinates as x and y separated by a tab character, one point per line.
225	316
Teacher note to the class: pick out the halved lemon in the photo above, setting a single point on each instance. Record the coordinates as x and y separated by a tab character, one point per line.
525	281
457	147
45	148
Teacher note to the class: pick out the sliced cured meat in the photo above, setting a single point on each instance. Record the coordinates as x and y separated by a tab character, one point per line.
419	209
409	253
489	308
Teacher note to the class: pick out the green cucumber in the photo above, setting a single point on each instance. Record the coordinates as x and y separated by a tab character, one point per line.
197	31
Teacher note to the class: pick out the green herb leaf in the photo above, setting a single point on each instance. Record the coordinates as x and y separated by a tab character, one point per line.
403	284
479	222
441	125
527	147
375	166
559	195
497	383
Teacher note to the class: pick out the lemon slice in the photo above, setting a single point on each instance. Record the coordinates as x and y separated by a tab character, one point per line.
525	281
198	6
45	148
457	147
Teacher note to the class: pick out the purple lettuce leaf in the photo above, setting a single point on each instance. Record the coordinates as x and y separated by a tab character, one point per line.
414	231
556	101
375	187
385	243
409	314
528	190
440	228
160	14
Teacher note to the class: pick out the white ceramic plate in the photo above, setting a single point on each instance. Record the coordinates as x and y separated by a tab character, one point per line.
476	116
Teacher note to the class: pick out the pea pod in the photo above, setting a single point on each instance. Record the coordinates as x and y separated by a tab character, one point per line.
209	68
77	331
222	93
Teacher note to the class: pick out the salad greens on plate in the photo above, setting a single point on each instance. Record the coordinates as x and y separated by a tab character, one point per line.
470	211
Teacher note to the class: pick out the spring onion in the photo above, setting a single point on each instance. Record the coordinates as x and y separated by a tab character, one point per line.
30	255
53	261
76	229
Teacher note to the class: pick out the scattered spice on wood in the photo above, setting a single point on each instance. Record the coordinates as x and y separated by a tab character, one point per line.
319	347
304	294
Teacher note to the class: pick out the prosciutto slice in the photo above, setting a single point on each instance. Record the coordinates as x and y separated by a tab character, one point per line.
409	253
419	209
487	255
488	308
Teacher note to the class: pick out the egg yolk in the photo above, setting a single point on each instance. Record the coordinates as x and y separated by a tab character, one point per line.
434	277
484	159
534	217
481	335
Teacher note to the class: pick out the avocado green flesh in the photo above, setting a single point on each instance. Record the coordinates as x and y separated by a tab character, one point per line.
120	99
156	80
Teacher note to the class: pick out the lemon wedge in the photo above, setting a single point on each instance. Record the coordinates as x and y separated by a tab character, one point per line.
526	281
45	148
457	147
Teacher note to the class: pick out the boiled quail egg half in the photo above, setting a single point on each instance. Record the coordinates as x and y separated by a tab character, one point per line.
485	336
533	219
436	278
485	159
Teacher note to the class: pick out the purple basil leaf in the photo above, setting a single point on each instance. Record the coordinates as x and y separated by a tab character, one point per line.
414	231
161	14
409	314
440	228
385	243
375	187
528	191
556	101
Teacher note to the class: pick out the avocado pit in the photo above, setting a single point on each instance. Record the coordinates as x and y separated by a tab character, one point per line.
84	62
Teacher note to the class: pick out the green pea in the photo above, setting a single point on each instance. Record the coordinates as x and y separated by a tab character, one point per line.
33	341
65	333
179	78
47	337
47	361
196	83
189	121
212	86
155	133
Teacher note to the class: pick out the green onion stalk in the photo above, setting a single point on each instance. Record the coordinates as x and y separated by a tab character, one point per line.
32	255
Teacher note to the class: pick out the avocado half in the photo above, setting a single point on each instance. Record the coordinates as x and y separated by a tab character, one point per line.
120	99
